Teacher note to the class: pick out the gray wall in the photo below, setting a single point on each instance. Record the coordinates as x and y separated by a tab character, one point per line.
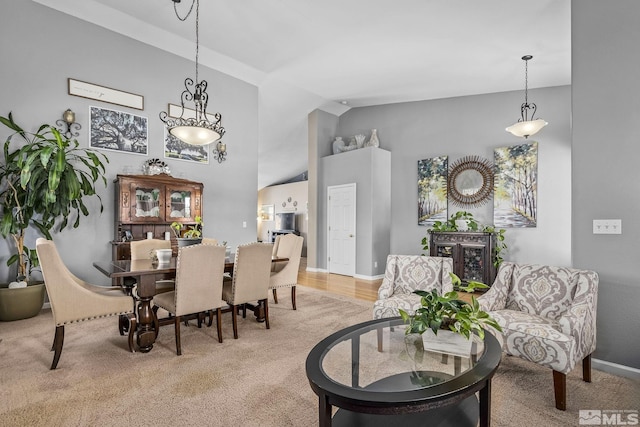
474	125
369	169
40	48
606	149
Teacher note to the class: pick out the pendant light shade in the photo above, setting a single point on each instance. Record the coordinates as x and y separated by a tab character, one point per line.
525	126
194	126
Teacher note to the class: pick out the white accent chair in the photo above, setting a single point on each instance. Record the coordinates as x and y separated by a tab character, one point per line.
285	275
548	317
405	274
74	300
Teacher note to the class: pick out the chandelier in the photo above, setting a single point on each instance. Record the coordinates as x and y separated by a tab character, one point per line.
526	126
194	126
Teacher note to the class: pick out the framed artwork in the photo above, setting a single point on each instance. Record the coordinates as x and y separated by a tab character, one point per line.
118	131
266	212
178	150
515	199
432	190
105	94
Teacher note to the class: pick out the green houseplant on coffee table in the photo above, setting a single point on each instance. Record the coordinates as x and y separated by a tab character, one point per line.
43	181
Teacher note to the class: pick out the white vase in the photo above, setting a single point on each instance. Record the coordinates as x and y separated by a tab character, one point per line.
373	141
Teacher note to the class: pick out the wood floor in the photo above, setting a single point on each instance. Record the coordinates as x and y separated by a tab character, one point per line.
343	285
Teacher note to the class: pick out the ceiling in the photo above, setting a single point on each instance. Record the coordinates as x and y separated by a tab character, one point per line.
308	54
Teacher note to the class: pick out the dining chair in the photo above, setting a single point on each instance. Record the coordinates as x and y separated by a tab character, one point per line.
141	249
288	246
199	270
74	300
250	280
209	241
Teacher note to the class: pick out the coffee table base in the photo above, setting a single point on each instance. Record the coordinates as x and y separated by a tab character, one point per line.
463	414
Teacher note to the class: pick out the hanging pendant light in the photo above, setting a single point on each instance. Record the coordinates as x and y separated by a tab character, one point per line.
194	126
525	126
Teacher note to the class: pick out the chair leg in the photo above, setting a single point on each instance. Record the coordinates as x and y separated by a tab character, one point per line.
234	318
560	390
586	369
123	324
275	296
132	324
293	296
210	313
57	345
219	323
266	312
177	328
244	311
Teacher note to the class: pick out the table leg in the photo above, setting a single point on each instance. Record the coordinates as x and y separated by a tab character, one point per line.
146	335
485	405
324	411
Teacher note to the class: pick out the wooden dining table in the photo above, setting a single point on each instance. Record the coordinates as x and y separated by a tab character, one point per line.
146	272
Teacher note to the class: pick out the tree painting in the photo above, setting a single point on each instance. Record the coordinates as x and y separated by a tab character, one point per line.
179	150
432	190
515	195
117	130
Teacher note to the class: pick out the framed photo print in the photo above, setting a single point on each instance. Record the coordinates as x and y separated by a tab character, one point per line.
118	131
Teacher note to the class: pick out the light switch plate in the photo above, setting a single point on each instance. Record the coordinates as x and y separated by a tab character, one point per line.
607	226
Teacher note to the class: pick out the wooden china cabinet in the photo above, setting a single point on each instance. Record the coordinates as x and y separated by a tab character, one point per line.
471	253
150	203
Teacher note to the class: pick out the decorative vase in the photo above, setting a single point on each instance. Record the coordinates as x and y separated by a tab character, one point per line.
373	141
338	145
21	303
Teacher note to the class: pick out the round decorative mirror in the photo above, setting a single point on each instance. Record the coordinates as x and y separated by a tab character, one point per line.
470	181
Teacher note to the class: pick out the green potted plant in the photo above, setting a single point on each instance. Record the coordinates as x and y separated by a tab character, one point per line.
43	182
191	236
449	312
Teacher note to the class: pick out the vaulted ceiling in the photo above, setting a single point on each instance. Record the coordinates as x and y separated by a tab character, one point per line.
339	54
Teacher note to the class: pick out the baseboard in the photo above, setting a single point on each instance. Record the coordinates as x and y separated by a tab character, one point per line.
316	270
370	278
615	369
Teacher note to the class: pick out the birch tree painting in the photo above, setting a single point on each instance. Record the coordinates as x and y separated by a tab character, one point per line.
516	186
432	190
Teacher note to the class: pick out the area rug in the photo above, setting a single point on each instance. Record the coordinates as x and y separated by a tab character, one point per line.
258	379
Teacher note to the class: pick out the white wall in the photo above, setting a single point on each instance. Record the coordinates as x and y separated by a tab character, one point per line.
278	195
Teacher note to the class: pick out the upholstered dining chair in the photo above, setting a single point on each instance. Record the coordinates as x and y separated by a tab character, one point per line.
141	249
250	280
548	317
209	241
199	270
286	246
405	274
74	300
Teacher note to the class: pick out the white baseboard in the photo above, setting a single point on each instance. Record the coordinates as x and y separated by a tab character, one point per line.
370	278
614	368
316	270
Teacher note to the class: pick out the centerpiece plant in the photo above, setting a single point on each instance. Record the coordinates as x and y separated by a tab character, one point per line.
43	183
449	312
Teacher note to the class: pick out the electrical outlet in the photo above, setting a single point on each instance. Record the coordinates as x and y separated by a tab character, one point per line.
607	226
375	264
244	224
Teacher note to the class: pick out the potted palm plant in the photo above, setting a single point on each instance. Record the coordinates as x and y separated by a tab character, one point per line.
43	182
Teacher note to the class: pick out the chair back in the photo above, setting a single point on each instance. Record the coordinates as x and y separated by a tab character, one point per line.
71	298
251	272
199	275
407	273
543	290
209	241
141	249
290	246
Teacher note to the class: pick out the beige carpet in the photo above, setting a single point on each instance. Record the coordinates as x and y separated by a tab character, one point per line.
258	379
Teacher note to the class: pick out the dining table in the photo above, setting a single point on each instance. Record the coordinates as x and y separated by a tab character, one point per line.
146	272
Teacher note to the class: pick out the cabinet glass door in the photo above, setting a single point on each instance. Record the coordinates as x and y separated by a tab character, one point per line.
148	202
180	204
473	264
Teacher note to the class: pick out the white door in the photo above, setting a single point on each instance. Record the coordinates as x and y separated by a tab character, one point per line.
341	257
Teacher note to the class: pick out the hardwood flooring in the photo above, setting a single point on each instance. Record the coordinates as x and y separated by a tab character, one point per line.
342	285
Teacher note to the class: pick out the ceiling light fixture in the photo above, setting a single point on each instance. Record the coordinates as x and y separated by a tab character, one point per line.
526	127
194	126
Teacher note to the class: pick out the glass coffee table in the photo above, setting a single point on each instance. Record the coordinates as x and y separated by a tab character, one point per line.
378	376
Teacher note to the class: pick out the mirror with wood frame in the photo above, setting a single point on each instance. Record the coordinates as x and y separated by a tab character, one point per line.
470	181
